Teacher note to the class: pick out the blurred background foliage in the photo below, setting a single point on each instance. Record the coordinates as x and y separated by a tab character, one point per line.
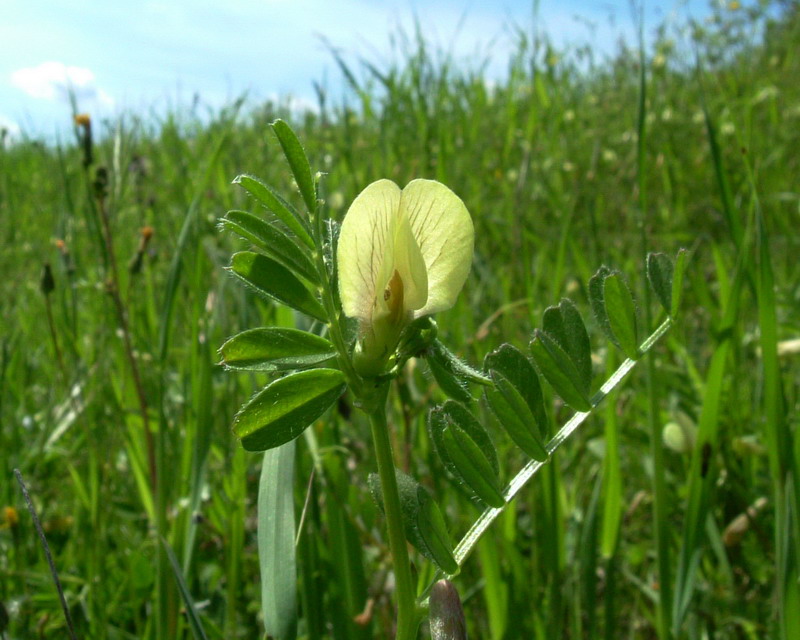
547	162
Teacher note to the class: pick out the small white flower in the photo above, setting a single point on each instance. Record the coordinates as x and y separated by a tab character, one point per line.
401	255
609	155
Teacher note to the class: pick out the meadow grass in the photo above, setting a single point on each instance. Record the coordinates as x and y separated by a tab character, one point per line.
117	413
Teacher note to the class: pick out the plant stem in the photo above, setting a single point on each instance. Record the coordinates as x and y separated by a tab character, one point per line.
54	338
122	318
660	495
518	482
406	605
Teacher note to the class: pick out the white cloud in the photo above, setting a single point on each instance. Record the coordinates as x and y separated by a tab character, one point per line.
104	98
296	104
55	81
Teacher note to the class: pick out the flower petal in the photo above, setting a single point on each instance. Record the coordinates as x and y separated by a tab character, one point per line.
365	244
410	265
443	229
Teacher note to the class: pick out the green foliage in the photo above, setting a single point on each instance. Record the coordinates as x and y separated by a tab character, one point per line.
274	282
511	363
471	465
559	370
515	416
565	325
466	450
298	162
546	160
450	373
659	274
286	407
276	542
275	349
272	241
284	211
614	308
191	610
621	314
424	525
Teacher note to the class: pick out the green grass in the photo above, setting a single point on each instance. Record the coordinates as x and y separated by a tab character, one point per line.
559	179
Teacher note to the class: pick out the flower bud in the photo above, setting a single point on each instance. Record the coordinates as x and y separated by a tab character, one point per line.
446	614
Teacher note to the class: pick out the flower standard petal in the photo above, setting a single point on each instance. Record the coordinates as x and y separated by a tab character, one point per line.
366	243
443	229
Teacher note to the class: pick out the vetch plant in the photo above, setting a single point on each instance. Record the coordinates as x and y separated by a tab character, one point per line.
399	256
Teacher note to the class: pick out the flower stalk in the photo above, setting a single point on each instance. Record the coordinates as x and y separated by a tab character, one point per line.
403	254
407	619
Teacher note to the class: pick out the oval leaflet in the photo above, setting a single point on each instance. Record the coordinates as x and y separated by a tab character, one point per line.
284	408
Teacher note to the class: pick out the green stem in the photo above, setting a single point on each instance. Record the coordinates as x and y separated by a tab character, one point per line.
373	402
519	481
406	605
660	496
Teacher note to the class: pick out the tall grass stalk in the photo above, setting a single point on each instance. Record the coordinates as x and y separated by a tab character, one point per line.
660	492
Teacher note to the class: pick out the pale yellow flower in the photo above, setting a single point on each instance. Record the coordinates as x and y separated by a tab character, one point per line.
401	255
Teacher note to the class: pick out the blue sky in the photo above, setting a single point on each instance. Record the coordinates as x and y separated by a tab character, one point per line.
139	55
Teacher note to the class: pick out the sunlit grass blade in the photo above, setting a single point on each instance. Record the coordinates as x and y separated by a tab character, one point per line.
778	434
195	624
612	476
626	330
700	480
495	591
701	477
186	239
276	547
346	590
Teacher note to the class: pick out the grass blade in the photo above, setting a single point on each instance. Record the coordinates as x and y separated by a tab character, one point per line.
276	548
191	611
48	555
